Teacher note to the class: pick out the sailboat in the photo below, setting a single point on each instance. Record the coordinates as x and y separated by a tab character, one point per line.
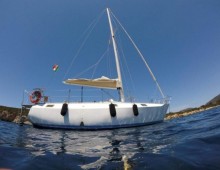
98	115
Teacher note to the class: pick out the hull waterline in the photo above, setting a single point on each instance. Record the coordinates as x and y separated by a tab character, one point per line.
96	116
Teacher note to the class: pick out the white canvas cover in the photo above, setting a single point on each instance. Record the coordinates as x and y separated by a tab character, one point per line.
103	82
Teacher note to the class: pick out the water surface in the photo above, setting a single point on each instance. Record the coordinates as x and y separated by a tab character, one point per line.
191	142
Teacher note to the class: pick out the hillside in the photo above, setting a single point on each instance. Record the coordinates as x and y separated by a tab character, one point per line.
212	103
11	114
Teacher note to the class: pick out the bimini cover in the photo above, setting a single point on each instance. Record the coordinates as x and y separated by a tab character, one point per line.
103	82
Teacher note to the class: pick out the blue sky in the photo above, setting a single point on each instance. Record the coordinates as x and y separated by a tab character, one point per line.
180	39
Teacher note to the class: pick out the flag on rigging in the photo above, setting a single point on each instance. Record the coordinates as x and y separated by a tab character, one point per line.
55	67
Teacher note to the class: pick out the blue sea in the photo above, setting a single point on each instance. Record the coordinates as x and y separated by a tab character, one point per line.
191	142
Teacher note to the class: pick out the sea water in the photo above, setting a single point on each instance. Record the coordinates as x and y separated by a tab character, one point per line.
191	142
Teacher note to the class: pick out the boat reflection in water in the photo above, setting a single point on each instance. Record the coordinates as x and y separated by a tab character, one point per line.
87	149
166	145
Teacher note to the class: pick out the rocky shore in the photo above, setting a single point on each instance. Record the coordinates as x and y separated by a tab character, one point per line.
187	112
15	115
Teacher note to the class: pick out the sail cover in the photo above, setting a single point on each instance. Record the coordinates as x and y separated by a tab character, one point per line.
103	82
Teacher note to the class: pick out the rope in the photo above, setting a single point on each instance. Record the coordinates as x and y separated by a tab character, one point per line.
99	61
94	65
109	66
93	24
107	93
126	66
142	57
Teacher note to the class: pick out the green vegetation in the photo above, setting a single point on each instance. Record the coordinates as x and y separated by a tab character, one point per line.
10	113
215	101
212	103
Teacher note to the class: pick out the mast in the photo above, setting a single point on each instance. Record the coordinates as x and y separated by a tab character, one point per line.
121	91
142	57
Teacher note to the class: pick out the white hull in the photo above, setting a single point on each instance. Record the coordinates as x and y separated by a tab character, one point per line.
96	115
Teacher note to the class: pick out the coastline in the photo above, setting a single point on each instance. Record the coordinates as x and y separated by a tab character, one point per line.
10	114
174	115
15	115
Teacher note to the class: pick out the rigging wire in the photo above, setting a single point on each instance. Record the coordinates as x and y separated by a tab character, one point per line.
126	66
99	61
142	57
107	93
119	47
92	26
109	66
92	66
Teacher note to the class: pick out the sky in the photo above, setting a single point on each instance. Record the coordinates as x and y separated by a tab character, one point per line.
180	39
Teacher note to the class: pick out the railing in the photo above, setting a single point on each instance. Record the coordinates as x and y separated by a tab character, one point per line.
165	100
67	95
79	95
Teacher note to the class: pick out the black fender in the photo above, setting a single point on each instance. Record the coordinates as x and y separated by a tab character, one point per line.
112	110
64	109
135	109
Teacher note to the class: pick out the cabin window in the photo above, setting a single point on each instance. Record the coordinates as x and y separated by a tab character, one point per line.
143	105
49	105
